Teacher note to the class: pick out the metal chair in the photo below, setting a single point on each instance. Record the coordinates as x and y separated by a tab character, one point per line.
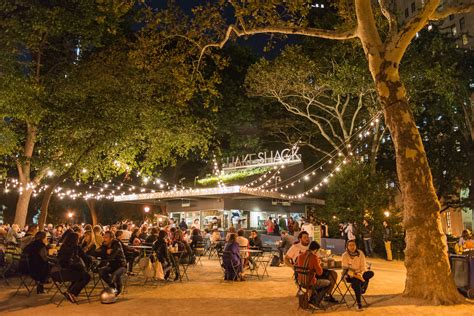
199	251
25	280
345	285
234	267
305	290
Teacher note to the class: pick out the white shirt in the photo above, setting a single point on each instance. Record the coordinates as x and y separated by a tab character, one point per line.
309	228
126	234
242	241
296	250
357	263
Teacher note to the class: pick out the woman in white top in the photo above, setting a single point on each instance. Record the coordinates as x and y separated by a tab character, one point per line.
354	265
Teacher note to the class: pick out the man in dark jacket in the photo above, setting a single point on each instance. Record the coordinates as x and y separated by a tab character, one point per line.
113	264
366	232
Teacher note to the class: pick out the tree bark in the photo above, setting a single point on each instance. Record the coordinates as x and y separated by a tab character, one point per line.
22	207
92	209
426	254
48	193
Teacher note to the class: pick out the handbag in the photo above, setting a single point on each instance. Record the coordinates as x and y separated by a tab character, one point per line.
159	274
147	267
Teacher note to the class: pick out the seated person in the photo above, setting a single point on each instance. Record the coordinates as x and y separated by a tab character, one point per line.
72	261
113	264
88	243
152	237
317	286
354	267
130	253
196	238
255	241
231	260
297	248
160	248
178	240
243	244
29	236
37	254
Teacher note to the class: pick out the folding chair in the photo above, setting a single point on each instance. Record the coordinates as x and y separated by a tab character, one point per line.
60	285
5	267
25	280
305	290
263	260
347	289
199	251
221	262
234	267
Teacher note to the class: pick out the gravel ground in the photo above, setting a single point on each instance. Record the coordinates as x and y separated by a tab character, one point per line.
207	294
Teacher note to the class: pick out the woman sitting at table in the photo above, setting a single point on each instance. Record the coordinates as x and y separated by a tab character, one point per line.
196	238
88	243
182	244
37	266
354	266
160	248
231	260
72	261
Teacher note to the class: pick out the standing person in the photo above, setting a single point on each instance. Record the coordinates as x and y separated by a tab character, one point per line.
183	225
195	224
296	228
354	266
291	230
37	254
366	231
282	223
387	239
72	261
309	228
113	265
285	243
324	229
349	231
276	228
270	226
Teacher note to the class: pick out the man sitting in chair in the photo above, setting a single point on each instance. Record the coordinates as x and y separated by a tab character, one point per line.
354	267
311	261
113	264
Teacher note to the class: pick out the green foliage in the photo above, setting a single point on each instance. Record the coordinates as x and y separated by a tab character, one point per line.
354	194
233	176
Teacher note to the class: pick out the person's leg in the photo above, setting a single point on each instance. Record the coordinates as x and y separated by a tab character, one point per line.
104	273
367	276
388	250
366	246
356	286
80	284
117	278
369	243
320	289
280	253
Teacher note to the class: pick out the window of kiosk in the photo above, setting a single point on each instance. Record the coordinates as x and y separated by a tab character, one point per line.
212	219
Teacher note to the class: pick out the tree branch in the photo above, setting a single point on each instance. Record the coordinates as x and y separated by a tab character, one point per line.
307	31
452	9
390	16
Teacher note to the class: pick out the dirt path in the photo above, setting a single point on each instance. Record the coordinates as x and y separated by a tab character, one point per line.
207	294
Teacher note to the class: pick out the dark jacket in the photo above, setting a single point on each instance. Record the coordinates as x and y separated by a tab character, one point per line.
67	257
366	231
256	242
151	239
195	239
161	250
116	259
387	234
37	255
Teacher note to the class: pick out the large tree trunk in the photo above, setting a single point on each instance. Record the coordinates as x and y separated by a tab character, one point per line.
48	193
22	207
426	254
92	209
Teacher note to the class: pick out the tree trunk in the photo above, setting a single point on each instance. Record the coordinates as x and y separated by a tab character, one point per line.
426	254
22	207
92	209
48	193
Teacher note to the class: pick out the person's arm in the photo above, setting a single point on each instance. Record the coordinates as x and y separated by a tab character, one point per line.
317	266
288	257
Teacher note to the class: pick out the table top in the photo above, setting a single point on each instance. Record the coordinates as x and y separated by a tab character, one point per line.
251	250
141	247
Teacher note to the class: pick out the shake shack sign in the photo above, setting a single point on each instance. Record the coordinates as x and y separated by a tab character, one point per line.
262	159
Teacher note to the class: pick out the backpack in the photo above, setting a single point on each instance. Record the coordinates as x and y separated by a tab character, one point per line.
275	261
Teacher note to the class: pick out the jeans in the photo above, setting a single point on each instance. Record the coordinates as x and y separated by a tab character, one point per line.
320	289
113	278
78	279
360	287
368	246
